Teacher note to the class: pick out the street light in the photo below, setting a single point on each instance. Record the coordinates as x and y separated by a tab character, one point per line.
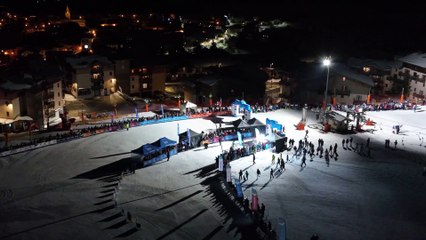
326	62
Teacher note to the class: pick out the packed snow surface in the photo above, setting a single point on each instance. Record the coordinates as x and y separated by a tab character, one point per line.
74	190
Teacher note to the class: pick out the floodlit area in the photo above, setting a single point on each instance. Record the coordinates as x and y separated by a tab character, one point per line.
75	190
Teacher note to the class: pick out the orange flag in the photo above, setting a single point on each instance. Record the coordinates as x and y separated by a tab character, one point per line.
368	98
334	101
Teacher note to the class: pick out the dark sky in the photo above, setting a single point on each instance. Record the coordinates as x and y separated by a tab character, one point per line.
345	9
368	25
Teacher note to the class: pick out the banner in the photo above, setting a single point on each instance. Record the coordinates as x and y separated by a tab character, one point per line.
238	188
162	109
178	130
220	163
137	113
304	114
281	229
228	173
240	138
254	200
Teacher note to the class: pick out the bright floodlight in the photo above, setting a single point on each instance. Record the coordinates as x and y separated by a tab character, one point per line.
326	62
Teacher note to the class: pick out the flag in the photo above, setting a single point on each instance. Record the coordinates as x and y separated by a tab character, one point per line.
188	135
178	130
402	96
162	109
220	102
137	113
334	101
240	138
257	133
368	98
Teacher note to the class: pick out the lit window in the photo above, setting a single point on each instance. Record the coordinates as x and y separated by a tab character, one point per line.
145	85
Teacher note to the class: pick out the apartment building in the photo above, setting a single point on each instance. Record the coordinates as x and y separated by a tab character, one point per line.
91	76
413	74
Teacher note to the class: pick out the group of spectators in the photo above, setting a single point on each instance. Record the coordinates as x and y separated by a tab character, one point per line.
387	105
62	136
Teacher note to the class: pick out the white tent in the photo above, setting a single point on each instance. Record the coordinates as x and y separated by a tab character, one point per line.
187	105
190	105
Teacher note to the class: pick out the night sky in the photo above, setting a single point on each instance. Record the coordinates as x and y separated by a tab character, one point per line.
394	27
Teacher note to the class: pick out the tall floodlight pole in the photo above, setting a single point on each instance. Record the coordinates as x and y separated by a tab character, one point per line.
326	62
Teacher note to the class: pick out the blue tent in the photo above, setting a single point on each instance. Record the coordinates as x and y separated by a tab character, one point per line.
146	149
154	152
274	124
163	143
242	104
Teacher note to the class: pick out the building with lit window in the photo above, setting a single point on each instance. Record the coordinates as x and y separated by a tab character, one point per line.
347	85
380	71
34	93
413	74
91	76
144	81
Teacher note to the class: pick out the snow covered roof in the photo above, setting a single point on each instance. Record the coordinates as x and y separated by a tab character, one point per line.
343	70
208	80
384	65
9	85
6	120
23	118
418	59
86	61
